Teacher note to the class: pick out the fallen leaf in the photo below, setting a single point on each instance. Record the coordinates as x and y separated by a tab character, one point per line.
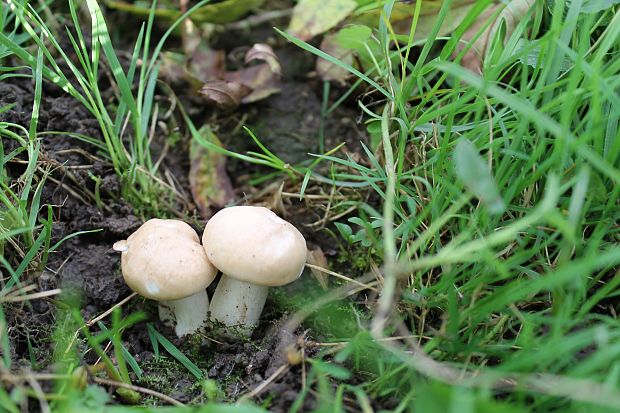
508	19
259	79
206	64
354	36
402	15
329	71
313	17
208	180
264	52
202	62
245	85
317	257
225	94
172	67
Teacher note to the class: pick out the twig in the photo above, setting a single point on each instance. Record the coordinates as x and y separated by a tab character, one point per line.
259	389
45	407
34	296
17	289
109	311
139	390
98	318
312	196
344	343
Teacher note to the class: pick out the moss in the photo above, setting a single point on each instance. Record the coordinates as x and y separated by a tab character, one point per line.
163	374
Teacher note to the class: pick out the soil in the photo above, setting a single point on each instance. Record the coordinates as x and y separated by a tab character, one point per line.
86	266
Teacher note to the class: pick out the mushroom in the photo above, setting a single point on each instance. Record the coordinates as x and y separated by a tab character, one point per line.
164	261
255	249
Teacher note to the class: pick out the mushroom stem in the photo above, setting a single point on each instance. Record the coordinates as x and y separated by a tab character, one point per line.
189	313
238	303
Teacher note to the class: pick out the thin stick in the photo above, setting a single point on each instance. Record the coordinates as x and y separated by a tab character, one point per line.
38	391
34	296
98	318
139	390
107	312
312	196
259	389
343	343
16	289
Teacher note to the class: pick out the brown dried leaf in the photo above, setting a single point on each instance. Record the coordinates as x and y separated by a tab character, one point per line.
225	94
511	15
172	67
245	85
201	63
264	52
402	15
208	179
329	71
207	64
317	257
260	79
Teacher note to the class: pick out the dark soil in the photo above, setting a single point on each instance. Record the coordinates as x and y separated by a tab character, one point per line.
88	267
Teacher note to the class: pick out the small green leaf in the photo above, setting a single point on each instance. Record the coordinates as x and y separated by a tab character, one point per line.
354	36
477	177
151	330
176	353
345	231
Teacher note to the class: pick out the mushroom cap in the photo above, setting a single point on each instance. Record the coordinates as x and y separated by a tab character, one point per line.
163	260
254	245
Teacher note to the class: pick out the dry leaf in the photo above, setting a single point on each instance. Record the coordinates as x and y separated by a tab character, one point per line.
172	67
328	70
313	17
208	179
226	95
264	52
206	64
259	79
249	84
317	257
402	15
510	16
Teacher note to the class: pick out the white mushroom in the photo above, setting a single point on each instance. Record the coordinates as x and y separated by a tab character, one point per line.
255	249
164	261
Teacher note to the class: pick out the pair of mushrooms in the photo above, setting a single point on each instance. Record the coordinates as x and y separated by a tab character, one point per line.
252	247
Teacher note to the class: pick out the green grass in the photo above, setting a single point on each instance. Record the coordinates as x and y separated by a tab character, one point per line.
126	124
494	220
499	210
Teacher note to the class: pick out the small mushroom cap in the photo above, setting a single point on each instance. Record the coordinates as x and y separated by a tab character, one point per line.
163	260
254	245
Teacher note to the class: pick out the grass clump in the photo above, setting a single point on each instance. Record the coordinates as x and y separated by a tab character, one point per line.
127	123
499	208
